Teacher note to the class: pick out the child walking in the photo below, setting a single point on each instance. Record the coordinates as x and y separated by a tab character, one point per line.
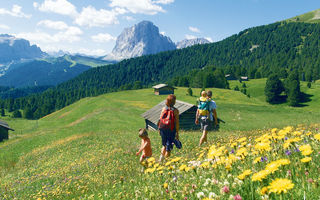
145	147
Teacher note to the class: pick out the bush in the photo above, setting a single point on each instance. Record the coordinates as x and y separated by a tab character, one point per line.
309	84
189	92
16	114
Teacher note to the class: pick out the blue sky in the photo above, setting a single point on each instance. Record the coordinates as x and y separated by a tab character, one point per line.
91	26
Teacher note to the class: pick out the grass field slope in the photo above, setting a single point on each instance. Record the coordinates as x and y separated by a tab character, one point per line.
87	150
310	17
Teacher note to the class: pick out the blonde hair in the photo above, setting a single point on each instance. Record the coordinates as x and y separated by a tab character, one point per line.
143	132
204	94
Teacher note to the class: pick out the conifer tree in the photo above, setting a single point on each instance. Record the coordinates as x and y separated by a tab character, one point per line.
273	89
292	87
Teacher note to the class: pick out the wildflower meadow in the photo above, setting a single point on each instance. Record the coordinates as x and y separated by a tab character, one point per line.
88	151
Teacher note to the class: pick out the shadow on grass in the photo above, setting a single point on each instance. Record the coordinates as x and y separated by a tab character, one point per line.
282	99
304	98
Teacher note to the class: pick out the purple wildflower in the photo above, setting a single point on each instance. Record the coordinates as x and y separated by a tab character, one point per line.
232	151
288	153
285	138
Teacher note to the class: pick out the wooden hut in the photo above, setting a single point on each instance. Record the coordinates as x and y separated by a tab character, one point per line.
4	128
187	115
163	89
244	78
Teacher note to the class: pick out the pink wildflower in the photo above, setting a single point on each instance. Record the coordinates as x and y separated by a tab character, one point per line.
226	189
237	197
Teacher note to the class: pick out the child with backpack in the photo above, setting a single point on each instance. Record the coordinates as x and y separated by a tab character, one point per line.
168	126
145	146
203	113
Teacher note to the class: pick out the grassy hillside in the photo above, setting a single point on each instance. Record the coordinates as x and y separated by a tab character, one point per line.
87	150
310	17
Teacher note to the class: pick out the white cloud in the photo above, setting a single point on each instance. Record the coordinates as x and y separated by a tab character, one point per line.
194	29
14	12
62	7
103	37
57	25
164	1
189	37
138	6
35	4
129	18
70	35
98	18
209	39
91	52
3	26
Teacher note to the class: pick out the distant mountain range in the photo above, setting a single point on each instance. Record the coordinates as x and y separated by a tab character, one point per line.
144	38
190	42
48	71
14	49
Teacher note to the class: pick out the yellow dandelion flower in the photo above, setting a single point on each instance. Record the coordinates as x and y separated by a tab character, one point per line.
306	159
263	146
272	167
242	139
264	190
309	133
280	185
182	167
165	185
258	159
205	165
259	176
244	174
317	136
283	162
187	169
305	149
152	159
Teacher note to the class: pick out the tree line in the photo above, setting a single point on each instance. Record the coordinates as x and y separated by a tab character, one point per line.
256	52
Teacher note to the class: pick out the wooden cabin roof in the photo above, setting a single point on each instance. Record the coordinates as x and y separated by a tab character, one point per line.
5	125
162	86
153	114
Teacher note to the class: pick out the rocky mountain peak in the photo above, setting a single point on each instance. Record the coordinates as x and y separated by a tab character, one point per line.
141	39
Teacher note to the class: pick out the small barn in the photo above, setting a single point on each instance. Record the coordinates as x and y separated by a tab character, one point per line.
244	78
4	129
163	89
230	77
187	115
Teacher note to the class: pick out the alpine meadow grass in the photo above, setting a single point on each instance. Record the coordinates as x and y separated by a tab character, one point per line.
87	150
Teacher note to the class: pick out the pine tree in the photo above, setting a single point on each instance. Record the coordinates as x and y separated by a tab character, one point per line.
28	114
16	114
273	89
189	92
292	87
3	112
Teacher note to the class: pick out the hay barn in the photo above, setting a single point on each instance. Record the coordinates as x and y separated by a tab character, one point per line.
163	89
187	116
4	129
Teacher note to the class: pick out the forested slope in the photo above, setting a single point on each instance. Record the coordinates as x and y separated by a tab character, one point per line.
255	52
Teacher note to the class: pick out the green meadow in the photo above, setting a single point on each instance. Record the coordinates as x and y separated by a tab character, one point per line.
87	150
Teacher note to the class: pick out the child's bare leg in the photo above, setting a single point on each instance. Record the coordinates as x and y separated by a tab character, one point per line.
167	154
142	158
203	137
163	150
